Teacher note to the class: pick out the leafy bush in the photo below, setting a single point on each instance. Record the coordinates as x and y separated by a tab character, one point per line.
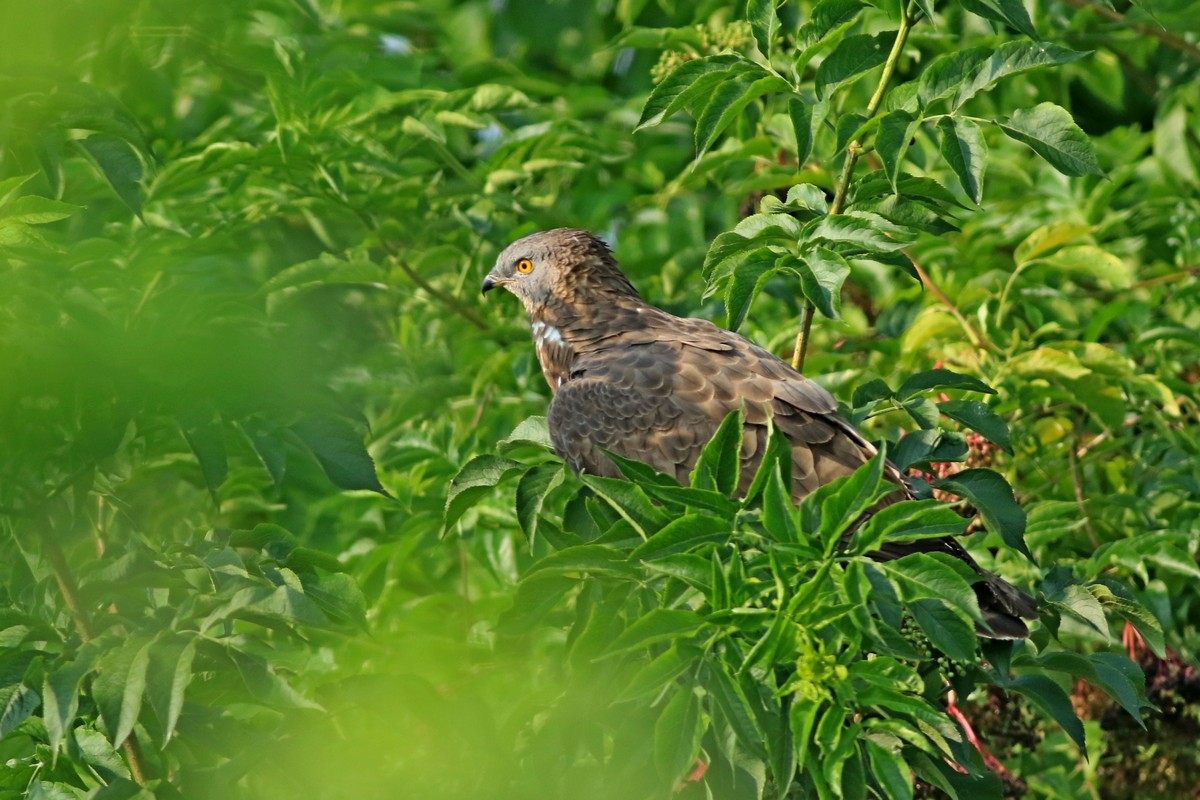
238	241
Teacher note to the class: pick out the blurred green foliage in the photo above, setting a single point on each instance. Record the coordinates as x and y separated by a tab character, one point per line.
243	361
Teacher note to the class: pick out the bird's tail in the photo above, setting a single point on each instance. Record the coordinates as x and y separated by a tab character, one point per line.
1003	606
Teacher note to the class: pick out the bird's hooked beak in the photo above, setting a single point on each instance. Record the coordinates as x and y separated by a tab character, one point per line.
489	283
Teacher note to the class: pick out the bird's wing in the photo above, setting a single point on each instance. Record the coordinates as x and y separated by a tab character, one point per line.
657	394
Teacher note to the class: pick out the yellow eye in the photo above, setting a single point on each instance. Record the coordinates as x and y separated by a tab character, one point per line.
525	266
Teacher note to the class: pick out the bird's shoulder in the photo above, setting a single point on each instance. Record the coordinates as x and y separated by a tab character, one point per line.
660	352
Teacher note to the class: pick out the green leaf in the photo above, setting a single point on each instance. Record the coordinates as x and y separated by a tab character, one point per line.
940	379
119	687
60	694
720	464
658	625
474	480
859	230
1109	270
17	704
120	166
978	417
1050	698
852	57
841	502
34	210
925	576
683	534
533	488
531	430
1053	135
1011	58
744	285
989	492
890	770
167	678
764	22
735	707
1009	12
676	736
593	558
663	670
966	152
965	73
826	18
905	521
896	130
686	82
9	187
822	274
946	626
630	501
339	450
928	446
207	441
801	114
728	100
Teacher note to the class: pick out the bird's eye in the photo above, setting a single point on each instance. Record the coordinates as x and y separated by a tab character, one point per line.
525	266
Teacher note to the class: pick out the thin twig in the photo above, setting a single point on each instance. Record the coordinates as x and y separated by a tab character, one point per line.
448	300
70	591
1157	32
975	336
801	349
853	151
1077	481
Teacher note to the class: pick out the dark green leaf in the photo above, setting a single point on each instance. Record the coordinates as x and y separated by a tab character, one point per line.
744	285
801	114
475	479
764	22
966	152
735	707
946	626
658	625
532	490
822	273
1011	58
663	670
720	464
853	56
339	449
119	686
896	130
1049	696
591	558
686	82
940	379
676	736
978	417
1009	12
167	678
890	770
119	165
826	18
989	492
207	441
683	534
1053	135
728	100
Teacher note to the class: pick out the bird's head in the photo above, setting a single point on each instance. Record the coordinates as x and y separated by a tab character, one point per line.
558	268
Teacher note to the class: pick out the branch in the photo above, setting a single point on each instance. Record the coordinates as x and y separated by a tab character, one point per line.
975	336
1155	32
853	151
70	591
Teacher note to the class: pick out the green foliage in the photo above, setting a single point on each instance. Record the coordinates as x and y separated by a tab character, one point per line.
278	516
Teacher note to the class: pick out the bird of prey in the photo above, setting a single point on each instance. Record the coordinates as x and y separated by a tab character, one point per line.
631	379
